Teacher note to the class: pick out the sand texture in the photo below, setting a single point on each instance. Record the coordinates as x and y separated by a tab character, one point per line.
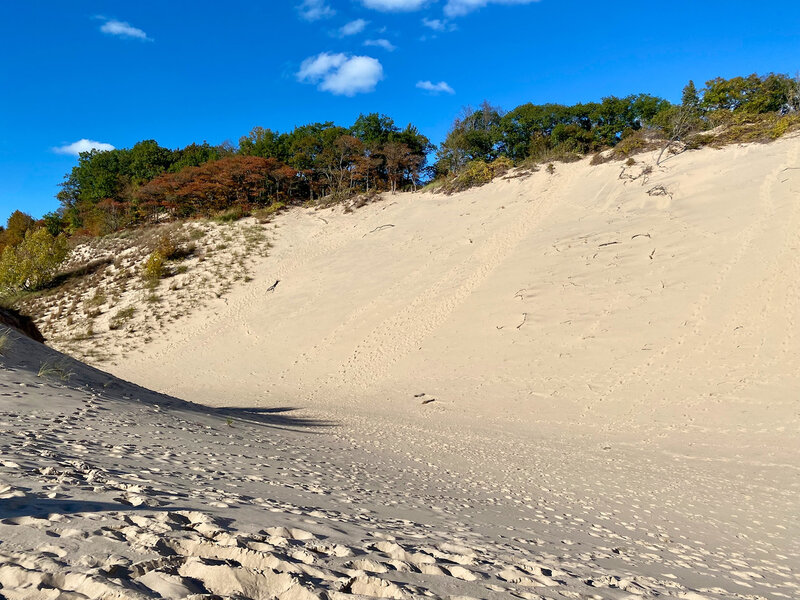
572	385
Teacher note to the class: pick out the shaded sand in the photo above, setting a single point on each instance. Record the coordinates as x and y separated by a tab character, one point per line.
558	386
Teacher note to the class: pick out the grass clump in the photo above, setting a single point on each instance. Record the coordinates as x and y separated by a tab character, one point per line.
195	234
229	216
5	342
99	299
121	317
55	370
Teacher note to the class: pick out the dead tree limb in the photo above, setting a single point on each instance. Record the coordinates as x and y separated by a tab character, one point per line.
659	190
682	125
380	228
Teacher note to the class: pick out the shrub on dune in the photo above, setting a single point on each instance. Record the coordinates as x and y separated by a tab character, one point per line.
33	263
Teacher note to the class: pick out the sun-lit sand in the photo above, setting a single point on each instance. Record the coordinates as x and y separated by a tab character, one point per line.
572	385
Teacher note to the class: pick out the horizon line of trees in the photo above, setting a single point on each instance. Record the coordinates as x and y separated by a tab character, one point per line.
112	190
544	131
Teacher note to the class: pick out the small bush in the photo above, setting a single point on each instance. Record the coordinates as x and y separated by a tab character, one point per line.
33	263
635	143
738	128
474	174
542	155
154	268
501	166
167	246
265	215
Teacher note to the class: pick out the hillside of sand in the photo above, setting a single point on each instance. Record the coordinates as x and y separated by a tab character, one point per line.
579	384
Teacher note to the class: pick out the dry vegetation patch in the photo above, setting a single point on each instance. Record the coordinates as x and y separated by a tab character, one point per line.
117	292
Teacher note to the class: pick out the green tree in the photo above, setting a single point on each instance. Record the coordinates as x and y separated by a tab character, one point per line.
690	98
18	224
194	155
264	143
53	222
474	135
145	161
753	94
374	129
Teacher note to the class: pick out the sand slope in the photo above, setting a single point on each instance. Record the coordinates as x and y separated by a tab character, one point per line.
578	385
110	491
575	298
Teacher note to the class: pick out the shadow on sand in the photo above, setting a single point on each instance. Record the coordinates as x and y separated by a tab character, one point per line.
279	417
274	417
42	508
85	379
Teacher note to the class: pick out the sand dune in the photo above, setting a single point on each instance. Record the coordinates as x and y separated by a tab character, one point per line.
577	298
572	385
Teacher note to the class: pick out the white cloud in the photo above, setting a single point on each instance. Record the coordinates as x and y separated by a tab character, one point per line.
84	145
353	27
437	24
394	5
435	88
385	44
314	10
452	8
314	68
341	74
458	8
123	29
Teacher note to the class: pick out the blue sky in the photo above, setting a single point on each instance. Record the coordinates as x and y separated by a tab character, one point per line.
118	72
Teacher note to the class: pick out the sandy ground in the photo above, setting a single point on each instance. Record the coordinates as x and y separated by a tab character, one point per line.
579	385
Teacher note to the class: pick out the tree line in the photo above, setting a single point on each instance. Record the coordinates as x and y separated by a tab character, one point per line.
557	131
111	190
